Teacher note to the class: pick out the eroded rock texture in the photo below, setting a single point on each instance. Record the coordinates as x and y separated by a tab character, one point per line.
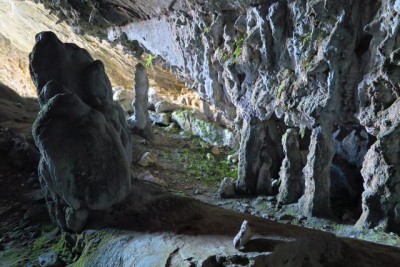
81	134
317	65
291	173
140	121
260	156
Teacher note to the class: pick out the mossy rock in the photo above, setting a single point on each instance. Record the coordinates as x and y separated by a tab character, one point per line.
209	132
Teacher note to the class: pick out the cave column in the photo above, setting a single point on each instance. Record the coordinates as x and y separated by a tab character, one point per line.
381	173
254	133
140	122
291	173
260	156
316	198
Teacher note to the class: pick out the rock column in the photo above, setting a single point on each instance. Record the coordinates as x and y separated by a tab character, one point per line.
260	156
291	174
381	173
140	122
316	199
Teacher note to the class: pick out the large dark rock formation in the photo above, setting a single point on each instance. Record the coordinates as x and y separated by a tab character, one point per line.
317	65
81	134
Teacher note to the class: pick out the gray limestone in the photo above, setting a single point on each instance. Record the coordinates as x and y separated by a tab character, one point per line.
260	156
316	198
140	122
291	173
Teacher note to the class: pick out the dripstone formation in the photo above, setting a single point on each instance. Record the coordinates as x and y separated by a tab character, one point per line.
140	122
321	67
81	134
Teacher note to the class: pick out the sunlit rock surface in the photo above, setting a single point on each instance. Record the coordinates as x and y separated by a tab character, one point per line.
22	20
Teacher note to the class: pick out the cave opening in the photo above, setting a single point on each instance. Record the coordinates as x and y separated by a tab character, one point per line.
363	45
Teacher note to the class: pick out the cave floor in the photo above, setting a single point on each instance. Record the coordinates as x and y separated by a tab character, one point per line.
182	167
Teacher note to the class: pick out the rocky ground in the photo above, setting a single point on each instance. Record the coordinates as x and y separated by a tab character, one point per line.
180	154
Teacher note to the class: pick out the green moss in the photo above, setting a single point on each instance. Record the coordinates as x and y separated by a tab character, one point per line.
196	165
306	38
262	205
149	61
307	62
225	56
40	246
211	171
291	211
208	131
281	89
91	248
206	30
238	47
63	249
13	257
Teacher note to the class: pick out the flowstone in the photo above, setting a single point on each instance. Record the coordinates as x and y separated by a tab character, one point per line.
80	132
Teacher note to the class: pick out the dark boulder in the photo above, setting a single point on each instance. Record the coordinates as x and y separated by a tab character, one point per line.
81	134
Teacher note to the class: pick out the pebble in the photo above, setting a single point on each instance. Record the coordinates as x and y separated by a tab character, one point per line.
148	158
227	188
215	150
210	156
233	158
243	236
49	259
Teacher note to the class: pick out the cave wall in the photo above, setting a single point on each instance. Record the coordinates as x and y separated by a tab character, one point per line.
315	66
22	20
